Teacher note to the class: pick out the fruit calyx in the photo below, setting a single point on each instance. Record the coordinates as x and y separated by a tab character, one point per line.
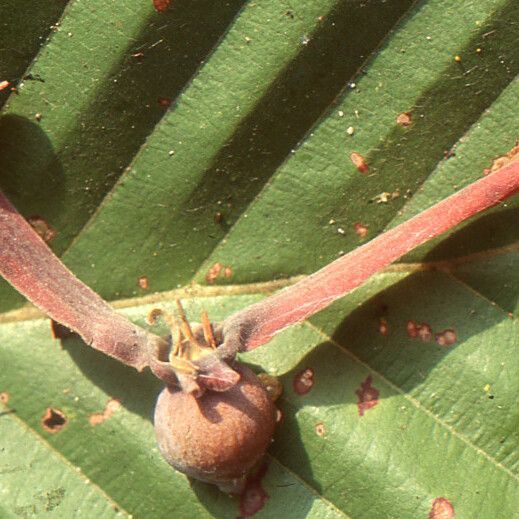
189	356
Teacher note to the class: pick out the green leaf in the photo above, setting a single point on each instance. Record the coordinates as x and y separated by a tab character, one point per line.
244	183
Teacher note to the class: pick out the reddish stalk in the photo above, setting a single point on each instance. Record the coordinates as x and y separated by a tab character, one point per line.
256	324
33	269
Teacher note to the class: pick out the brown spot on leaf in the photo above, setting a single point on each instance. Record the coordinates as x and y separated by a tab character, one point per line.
361	230
53	420
4	397
253	497
164	101
359	162
143	282
303	381
111	406
441	509
272	385
446	338
161	5
367	396
59	331
383	327
412	329
404	119
42	228
320	430
500	162
213	273
4	84
425	332
227	272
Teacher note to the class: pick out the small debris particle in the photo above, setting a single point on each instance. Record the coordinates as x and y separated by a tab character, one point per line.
303	381
352	86
385	197
361	230
479	50
247	40
213	273
53	420
143	282
227	272
272	385
38	117
441	509
383	327
161	5
487	388
332	221
111	406
412	329
504	160
340	113
164	101
4	84
138	55
305	40
59	331
350	130
359	162
404	119
425	332
279	416
340	230
4	397
42	228
446	338
171	153
367	396
218	217
320	430
457	59
253	497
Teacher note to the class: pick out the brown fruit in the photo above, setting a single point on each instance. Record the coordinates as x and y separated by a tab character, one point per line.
219	437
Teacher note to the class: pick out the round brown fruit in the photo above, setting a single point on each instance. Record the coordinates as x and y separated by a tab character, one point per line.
219	437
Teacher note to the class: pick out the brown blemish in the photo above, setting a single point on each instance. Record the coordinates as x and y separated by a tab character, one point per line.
59	331
42	228
111	406
53	420
441	509
446	338
359	162
272	385
161	5
303	381
143	282
500	162
213	273
383	327
404	119
253	497
320	430
4	397
367	396
361	230
218	217
227	272
412	329
164	101
425	332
